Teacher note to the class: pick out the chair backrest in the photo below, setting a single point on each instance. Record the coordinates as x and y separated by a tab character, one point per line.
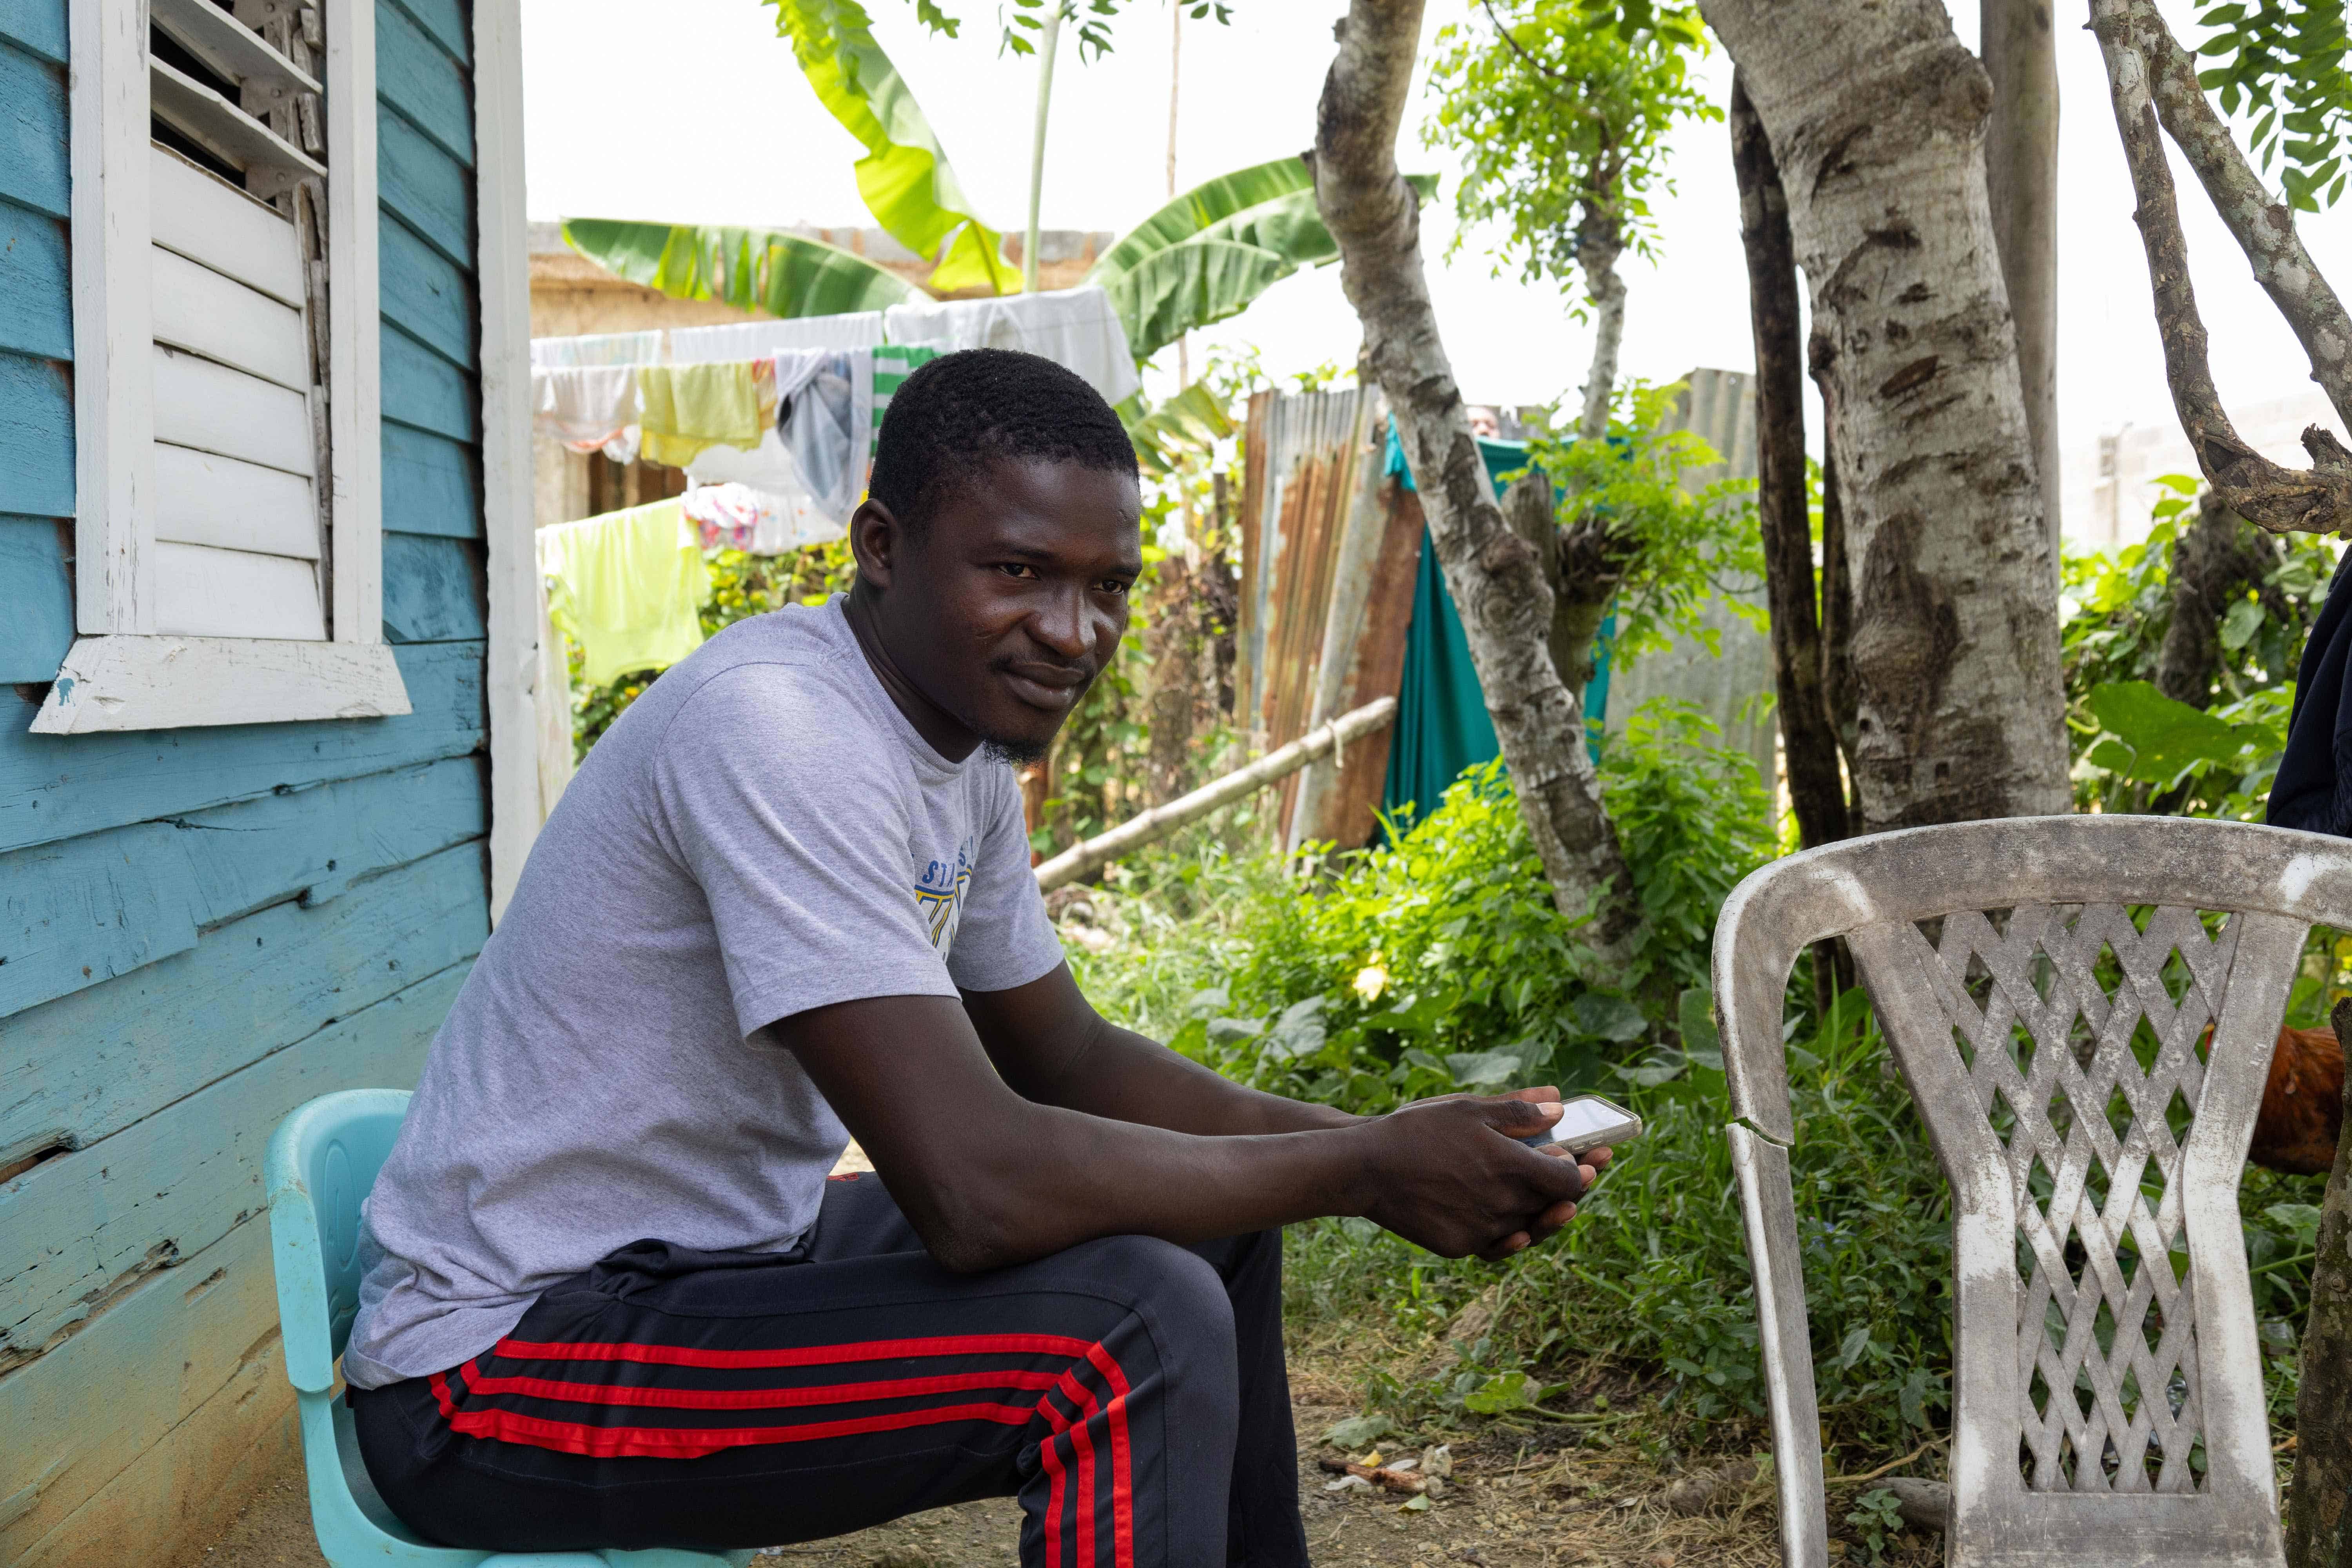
2047	985
322	1160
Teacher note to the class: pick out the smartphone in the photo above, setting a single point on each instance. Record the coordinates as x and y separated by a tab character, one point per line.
1589	1121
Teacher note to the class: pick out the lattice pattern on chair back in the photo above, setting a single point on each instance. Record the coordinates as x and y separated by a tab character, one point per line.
2091	1091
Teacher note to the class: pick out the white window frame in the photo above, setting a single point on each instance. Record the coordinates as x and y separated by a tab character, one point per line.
121	674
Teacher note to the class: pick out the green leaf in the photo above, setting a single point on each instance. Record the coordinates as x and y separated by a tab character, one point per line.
2239	627
904	177
1695	1015
1206	254
1190	423
783	274
1358	1432
1612	1018
2166	737
1505	1391
1298	1032
1476	1069
2298	1220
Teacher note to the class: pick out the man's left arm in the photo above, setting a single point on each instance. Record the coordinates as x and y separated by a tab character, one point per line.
1052	1046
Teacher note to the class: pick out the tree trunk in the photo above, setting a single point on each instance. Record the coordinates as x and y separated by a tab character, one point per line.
1172	639
2022	183
1876	118
1808	741
2316	1526
1597	249
1837	615
1494	575
2214	560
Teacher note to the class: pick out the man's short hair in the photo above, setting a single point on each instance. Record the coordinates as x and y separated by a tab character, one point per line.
961	411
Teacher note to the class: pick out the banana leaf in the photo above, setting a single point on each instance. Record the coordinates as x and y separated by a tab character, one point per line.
783	274
904	177
1209	253
1189	286
1190	421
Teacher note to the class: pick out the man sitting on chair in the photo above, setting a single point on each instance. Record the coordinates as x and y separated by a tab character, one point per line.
614	1299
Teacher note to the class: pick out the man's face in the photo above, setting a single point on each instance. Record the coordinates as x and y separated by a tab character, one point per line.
1014	599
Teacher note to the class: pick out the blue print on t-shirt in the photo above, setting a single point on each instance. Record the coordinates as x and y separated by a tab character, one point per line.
939	893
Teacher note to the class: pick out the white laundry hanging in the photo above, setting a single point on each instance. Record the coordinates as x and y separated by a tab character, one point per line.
1076	328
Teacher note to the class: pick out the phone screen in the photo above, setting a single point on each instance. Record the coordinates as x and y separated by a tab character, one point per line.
1580	1118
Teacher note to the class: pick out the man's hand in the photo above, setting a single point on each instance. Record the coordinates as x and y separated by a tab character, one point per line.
1450	1175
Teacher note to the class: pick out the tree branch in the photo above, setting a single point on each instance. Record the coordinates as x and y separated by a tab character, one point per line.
2263	227
2260	491
1495	576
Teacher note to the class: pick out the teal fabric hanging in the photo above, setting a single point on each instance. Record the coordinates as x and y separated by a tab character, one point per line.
1441	725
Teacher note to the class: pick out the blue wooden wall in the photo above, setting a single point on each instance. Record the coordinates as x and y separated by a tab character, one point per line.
200	929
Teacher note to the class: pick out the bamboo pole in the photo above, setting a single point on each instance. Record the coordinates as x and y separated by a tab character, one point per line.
1161	820
1029	260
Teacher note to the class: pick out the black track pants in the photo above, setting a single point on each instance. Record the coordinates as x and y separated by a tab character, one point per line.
1130	1392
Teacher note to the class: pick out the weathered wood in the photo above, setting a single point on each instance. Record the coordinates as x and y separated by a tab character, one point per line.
355	382
81	912
38	626
198	309
53	788
2008	1038
32	134
212	408
89	1464
206	219
430	485
432	589
88	1065
36	284
415	77
82	1226
37	27
425	188
204	591
426	295
227	503
37	436
516	593
443	21
423	390
1161	820
171	682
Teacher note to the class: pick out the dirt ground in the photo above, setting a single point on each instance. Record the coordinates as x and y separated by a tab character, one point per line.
1513	1500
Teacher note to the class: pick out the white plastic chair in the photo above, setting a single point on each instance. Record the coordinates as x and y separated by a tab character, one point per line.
322	1160
1982	1021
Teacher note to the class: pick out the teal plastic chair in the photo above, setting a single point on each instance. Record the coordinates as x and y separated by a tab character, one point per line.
322	1161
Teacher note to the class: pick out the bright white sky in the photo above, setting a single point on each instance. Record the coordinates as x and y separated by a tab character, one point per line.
692	110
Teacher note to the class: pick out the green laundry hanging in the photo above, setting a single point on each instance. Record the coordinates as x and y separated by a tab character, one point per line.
1441	725
627	588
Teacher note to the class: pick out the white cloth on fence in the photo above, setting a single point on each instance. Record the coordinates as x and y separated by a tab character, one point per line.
1075	328
588	408
609	348
758	340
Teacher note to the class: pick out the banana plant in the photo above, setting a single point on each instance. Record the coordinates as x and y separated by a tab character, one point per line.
749	268
905	176
1185	423
1209	253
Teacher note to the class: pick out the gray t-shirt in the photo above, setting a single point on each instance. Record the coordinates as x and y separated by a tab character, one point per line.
761	833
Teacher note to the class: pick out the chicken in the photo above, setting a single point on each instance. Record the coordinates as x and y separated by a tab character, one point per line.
2302	1103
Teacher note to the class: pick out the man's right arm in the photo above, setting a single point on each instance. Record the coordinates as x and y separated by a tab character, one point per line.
988	1178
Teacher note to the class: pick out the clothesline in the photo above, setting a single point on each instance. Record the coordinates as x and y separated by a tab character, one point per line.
789	410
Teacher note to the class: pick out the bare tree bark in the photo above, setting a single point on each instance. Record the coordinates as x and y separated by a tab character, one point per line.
1808	741
1876	118
1495	575
1599	243
2260	491
2021	56
1837	613
1174	641
2315	1525
2214	560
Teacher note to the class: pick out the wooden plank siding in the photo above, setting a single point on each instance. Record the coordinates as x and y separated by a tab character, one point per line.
201	928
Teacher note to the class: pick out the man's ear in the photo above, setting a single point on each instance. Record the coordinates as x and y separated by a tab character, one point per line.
875	538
